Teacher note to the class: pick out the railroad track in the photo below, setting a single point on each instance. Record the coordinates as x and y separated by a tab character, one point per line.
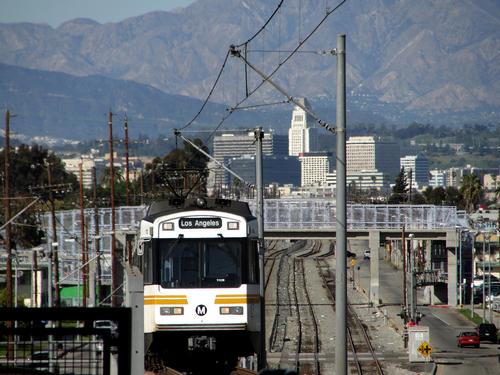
308	337
283	304
359	341
357	335
315	248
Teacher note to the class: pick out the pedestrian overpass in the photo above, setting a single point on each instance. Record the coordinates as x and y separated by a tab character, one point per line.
283	219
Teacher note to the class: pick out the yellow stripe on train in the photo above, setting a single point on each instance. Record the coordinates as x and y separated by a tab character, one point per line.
236	299
165	300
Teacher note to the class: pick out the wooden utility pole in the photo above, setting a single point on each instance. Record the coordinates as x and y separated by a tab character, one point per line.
54	247
97	237
114	275
83	239
35	278
6	193
128	244
127	178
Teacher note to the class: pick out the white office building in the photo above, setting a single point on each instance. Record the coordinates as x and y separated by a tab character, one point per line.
363	180
303	132
437	178
314	166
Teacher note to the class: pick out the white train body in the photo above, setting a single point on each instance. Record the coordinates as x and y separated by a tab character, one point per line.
200	268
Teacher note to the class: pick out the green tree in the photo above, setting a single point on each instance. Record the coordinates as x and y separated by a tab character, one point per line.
436	196
28	176
182	172
453	197
400	189
471	190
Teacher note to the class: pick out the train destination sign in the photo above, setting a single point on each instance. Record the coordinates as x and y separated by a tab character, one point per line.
200	223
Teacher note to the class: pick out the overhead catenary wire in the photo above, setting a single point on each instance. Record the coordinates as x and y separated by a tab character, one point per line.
263	26
322	123
209	94
293	52
222	165
269	76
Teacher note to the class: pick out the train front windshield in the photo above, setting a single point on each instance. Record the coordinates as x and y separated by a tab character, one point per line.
195	263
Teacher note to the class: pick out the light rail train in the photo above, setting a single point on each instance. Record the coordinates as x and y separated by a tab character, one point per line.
201	289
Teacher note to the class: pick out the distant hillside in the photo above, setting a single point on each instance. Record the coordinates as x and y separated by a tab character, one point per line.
407	60
65	106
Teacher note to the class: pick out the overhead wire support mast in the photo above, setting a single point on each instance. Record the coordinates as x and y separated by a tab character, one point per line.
178	134
237	53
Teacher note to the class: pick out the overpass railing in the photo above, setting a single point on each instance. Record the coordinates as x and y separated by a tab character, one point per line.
279	214
319	214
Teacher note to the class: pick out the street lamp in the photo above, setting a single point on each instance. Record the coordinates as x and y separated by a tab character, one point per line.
412	280
473	272
460	233
486	236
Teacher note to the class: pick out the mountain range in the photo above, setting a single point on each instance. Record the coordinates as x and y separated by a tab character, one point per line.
427	60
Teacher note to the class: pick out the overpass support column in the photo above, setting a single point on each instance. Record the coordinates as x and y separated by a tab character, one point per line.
451	241
375	250
429	290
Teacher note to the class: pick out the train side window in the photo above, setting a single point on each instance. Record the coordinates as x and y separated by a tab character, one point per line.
147	269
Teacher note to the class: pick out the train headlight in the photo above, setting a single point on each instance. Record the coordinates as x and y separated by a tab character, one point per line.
233	225
167	226
231	310
171	310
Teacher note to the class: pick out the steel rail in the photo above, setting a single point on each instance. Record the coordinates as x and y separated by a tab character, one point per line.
316	347
366	339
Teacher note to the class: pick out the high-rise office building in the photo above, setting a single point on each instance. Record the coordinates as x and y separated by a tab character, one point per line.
416	169
314	166
303	132
369	153
281	170
235	144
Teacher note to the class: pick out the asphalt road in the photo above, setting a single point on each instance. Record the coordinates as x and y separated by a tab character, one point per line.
444	325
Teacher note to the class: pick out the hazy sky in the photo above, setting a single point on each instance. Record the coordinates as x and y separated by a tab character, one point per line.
55	12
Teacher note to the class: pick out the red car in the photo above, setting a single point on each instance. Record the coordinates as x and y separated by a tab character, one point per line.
468	338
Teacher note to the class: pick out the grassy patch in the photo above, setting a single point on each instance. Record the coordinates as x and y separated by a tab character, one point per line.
476	319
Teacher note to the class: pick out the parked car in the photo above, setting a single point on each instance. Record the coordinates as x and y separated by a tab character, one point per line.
478	280
366	254
350	254
469	338
107	325
39	360
488	332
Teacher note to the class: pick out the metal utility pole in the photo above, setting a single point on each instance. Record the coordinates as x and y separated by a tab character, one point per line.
6	193
259	136
97	237
82	238
341	228
114	274
54	251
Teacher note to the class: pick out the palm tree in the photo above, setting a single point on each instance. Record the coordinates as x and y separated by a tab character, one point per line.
471	190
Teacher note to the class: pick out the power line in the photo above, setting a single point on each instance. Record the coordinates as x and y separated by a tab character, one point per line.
209	94
263	26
